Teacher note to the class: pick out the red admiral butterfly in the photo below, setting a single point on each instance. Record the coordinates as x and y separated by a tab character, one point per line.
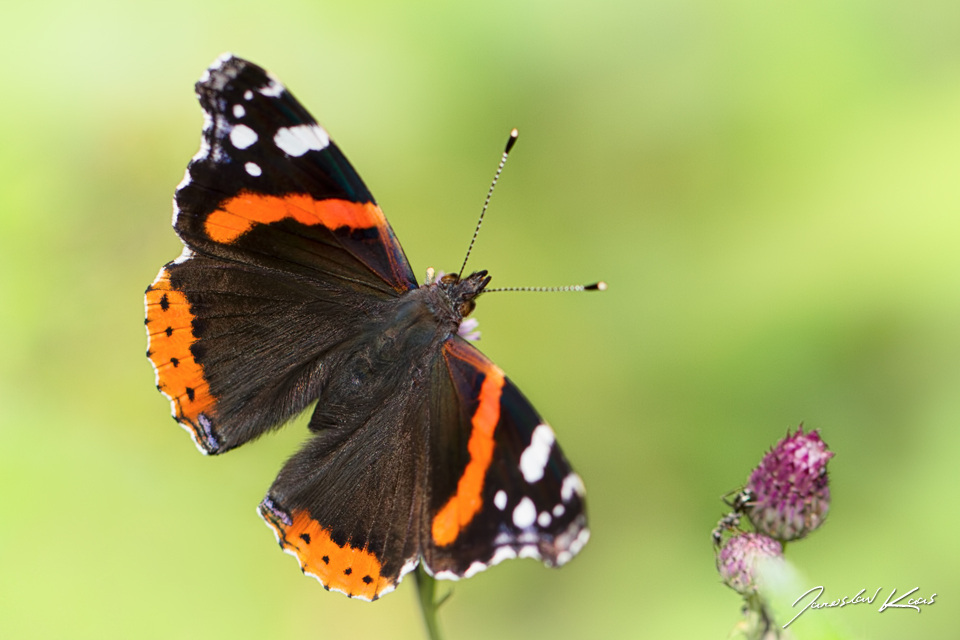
292	290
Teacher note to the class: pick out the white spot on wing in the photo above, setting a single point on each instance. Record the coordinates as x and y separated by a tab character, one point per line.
248	95
186	180
500	500
534	458
529	551
223	57
571	484
501	554
185	255
544	519
296	141
581	540
253	168
239	111
446	575
272	90
559	510
242	136
524	514
474	569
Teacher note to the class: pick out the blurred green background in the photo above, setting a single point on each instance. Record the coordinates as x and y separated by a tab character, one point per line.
771	191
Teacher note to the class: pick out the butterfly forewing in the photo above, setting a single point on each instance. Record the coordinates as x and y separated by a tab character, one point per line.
270	188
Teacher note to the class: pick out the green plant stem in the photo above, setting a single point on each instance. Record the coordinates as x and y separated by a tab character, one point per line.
426	590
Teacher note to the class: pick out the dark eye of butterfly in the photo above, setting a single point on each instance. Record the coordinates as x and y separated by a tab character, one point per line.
450	278
467	308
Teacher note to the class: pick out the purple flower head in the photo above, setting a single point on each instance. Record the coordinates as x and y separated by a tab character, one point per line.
790	496
741	560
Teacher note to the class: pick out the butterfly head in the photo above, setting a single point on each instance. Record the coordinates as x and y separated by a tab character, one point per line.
463	292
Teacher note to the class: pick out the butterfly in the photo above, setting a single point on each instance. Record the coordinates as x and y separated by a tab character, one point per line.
292	290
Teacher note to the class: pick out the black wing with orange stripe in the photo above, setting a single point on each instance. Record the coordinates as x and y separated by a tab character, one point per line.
239	349
501	487
270	188
286	251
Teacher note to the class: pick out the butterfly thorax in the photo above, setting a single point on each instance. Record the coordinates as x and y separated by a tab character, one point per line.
404	335
394	351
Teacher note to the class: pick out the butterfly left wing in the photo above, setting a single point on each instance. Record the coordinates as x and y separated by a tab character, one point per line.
499	485
286	253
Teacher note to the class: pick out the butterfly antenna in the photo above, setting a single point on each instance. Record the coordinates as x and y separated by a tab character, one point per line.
596	286
506	152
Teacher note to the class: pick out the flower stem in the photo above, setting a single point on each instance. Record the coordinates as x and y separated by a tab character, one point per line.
426	588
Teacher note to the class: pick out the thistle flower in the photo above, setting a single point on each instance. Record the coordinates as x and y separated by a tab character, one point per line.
741	558
790	496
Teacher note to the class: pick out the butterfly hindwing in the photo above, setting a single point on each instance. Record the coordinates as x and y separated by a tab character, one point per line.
356	487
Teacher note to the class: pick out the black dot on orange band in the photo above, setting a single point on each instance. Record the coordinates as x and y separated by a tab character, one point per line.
305	537
367	579
176	363
347	571
169	331
326	559
149	353
164	302
339	538
190	393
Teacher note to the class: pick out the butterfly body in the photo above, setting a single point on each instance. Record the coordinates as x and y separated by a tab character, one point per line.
293	291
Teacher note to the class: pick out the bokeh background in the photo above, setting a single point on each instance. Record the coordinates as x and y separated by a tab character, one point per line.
770	189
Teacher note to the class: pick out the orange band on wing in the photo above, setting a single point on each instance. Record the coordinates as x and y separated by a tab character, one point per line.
169	338
355	572
239	214
464	505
